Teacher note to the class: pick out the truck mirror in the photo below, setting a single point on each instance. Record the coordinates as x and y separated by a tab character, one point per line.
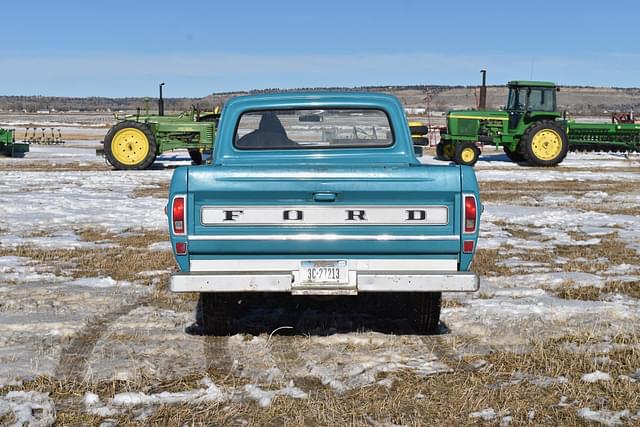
417	150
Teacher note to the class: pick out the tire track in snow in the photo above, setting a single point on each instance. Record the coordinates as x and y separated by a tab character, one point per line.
441	347
74	359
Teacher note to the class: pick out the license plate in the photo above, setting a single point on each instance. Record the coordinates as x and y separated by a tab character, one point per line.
324	272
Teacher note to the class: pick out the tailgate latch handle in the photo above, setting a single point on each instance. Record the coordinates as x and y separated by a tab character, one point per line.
324	197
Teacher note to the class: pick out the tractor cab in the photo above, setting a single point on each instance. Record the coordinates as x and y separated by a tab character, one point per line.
531	100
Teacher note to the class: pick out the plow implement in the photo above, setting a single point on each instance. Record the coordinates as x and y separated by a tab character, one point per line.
42	137
607	137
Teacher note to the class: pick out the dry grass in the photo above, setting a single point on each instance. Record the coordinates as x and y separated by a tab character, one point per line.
122	262
452	303
569	290
161	191
599	257
595	258
43	166
508	191
444	399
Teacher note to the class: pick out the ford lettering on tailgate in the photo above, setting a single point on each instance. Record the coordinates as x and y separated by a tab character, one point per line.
329	215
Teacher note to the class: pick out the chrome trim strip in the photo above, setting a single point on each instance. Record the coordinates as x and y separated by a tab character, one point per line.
324	237
244	265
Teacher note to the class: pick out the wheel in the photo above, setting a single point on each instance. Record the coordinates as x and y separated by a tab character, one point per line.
196	155
130	145
467	154
544	144
424	311
514	156
419	129
421	309
215	312
420	140
445	150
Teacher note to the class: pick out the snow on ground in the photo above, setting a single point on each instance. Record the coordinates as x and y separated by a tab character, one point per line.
123	334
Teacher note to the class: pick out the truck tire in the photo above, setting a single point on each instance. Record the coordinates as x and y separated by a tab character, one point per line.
130	146
425	312
514	156
422	310
544	143
215	313
196	155
467	154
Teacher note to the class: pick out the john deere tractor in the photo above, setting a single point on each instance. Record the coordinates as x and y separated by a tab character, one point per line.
528	128
136	140
8	145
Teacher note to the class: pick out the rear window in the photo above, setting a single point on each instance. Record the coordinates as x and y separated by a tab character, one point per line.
306	129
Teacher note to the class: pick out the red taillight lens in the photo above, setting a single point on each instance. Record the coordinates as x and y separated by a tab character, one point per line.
181	248
470	214
467	246
178	215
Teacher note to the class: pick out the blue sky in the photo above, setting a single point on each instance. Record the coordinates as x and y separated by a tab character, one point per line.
125	48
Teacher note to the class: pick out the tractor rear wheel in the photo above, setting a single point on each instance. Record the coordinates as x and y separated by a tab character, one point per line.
514	156
467	154
130	146
445	150
544	143
196	155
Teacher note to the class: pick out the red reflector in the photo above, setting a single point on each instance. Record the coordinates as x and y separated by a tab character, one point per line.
181	248
467	246
470	214
178	215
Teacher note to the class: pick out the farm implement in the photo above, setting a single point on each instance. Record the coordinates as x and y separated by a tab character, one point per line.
40	136
530	129
136	140
8	145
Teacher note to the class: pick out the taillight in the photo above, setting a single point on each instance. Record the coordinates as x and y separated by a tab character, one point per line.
181	248
177	215
470	214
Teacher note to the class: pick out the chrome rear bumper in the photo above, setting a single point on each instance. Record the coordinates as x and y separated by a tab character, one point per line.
364	276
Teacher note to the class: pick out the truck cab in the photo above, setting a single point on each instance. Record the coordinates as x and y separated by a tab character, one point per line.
320	193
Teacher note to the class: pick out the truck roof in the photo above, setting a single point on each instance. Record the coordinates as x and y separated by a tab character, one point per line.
533	83
281	99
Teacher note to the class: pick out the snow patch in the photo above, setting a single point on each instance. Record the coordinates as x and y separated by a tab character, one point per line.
28	408
605	417
596	376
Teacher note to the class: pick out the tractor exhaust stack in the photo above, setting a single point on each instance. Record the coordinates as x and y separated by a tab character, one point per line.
482	102
161	102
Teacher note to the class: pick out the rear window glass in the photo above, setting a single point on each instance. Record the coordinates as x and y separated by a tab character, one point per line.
306	128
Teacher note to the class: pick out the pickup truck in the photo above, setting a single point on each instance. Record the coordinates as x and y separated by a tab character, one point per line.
318	193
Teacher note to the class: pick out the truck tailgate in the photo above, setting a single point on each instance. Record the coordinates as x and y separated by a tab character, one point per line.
329	210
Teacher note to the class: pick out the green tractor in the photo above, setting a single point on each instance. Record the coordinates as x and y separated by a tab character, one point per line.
136	140
527	128
8	145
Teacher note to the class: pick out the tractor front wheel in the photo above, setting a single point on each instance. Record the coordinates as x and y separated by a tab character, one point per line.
467	154
196	155
130	146
544	144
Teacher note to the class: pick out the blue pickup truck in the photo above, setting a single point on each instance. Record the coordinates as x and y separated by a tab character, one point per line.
319	193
